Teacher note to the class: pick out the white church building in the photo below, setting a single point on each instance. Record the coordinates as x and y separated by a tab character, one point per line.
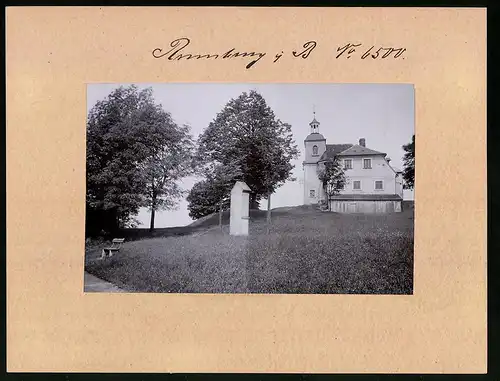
372	184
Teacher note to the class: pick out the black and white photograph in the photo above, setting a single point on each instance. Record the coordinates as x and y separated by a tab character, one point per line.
250	188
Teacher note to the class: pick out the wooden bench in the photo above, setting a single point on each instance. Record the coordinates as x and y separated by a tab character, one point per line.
115	246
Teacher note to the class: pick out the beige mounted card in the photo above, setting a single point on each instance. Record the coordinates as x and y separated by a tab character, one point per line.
53	54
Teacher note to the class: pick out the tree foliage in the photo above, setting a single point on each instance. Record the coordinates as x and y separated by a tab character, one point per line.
125	132
164	167
247	135
332	178
409	164
213	193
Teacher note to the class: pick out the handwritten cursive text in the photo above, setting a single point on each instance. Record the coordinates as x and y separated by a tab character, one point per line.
178	50
177	53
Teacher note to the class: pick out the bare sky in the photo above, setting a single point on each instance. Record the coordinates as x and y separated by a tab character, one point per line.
383	114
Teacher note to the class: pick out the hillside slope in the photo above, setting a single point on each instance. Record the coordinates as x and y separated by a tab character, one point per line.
212	220
302	251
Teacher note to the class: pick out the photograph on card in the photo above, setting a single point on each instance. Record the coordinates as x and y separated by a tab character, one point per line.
250	188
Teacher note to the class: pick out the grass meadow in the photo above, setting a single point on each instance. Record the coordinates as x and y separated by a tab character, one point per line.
305	251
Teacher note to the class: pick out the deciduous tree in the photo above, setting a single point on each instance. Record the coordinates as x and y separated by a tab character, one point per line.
409	164
213	193
332	178
165	166
246	134
124	132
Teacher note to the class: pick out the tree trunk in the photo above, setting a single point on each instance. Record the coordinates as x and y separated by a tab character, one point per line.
268	215
152	222
220	215
117	225
269	209
254	204
327	198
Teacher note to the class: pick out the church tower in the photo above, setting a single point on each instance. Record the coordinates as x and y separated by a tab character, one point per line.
315	146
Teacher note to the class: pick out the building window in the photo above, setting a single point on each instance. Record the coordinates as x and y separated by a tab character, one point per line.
367	163
315	150
379	185
356	185
348	164
312	193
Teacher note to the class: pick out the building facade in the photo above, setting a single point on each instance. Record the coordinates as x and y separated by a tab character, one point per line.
372	184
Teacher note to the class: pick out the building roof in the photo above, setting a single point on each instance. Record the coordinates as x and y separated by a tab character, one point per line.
241	185
366	197
315	136
357	150
332	150
314	121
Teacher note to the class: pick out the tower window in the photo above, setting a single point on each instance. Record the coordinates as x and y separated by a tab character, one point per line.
315	150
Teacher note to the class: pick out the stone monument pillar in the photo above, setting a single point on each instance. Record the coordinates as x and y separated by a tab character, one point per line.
239	212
